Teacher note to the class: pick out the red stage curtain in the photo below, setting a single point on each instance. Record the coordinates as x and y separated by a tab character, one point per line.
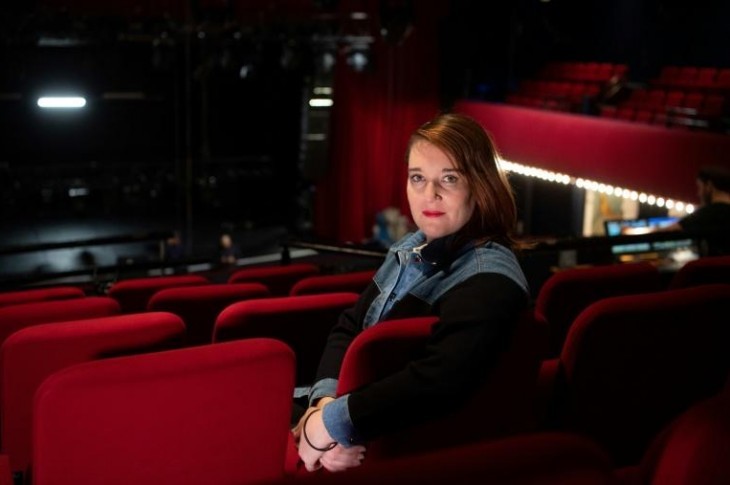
373	115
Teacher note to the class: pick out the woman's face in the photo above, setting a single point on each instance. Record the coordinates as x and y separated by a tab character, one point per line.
438	193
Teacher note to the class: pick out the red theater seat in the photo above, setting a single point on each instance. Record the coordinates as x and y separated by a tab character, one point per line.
668	76
694	100
531	459
693	449
706	77
279	279
351	282
633	363
714	106
303	322
723	79
674	99
15	317
40	294
215	414
199	306
134	294
503	405
32	354
566	293
702	271
687	76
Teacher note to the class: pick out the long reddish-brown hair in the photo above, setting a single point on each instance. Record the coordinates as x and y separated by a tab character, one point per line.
473	152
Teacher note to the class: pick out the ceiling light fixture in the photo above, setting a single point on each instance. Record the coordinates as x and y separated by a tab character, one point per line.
61	102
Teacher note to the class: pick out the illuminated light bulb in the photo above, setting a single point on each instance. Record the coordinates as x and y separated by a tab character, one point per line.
660	202
320	103
669	204
642	197
689	209
651	200
679	206
61	102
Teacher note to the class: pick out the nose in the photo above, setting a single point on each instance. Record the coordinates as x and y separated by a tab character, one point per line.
433	191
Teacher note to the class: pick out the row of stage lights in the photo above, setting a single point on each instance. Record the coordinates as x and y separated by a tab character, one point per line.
594	186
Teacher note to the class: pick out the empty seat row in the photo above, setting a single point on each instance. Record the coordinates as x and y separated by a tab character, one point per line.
695	77
662	117
294	279
691	102
40	294
584	71
567	293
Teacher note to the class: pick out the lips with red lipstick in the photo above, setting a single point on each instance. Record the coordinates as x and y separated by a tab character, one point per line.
433	213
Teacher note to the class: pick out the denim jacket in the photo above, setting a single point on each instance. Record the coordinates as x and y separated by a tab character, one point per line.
414	275
432	280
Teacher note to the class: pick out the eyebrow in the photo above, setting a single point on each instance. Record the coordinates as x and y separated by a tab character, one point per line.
445	170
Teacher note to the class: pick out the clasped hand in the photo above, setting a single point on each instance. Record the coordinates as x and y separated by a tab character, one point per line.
337	459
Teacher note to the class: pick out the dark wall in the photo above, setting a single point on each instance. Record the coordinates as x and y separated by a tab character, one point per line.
173	134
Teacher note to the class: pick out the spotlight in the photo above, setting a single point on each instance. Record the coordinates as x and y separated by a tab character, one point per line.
358	58
327	61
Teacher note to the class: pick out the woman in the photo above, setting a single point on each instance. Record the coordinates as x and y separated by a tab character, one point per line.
459	266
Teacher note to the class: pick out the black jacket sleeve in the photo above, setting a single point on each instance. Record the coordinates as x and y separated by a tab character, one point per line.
348	326
476	319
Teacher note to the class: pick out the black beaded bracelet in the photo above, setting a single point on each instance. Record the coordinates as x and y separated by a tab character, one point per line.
304	433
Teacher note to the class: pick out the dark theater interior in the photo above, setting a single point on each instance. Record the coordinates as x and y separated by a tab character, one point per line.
205	205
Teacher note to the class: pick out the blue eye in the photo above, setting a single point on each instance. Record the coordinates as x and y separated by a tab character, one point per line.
416	178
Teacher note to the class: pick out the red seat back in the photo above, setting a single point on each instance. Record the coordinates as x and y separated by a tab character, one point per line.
199	306
503	405
134	294
279	279
15	317
40	294
566	293
632	363
207	414
355	282
30	355
303	322
702	271
693	449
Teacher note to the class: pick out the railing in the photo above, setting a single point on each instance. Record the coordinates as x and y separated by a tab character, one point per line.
16	280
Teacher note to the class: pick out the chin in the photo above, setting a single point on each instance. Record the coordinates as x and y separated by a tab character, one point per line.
431	235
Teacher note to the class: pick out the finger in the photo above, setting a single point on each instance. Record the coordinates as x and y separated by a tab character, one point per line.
330	462
311	467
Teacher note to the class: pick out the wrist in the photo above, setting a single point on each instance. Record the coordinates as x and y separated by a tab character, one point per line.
323	400
328	447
